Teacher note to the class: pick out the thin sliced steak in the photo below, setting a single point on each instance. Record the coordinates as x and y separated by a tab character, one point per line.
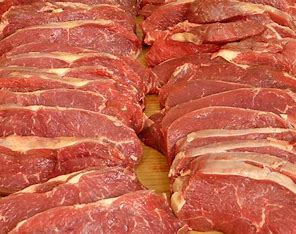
124	42
32	160
231	183
39	13
137	212
77	188
120	107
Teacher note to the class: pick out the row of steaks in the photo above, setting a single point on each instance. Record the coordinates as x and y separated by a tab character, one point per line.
71	105
225	70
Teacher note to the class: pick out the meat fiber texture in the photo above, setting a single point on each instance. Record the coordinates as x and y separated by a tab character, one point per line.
87	34
39	13
213	117
198	26
131	6
136	212
32	160
85	65
77	188
241	192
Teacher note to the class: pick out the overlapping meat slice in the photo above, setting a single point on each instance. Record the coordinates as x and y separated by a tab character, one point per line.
146	212
85	65
231	183
163	71
189	90
207	118
67	122
165	17
281	149
264	76
85	34
130	6
119	106
77	188
276	53
283	103
39	13
32	160
163	50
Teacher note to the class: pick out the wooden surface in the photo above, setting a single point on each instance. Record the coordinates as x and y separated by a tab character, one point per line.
153	171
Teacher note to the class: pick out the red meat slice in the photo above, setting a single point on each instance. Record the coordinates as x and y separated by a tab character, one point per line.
82	77
276	53
283	103
122	69
32	160
145	209
189	90
163	50
210	11
280	149
165	17
39	13
124	42
120	107
213	136
229	182
69	122
229	118
131	6
264	76
78	188
163	71
219	33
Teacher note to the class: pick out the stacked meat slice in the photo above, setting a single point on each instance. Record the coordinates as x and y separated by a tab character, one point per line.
226	76
71	105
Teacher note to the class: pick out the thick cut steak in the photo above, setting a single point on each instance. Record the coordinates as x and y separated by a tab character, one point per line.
39	13
137	212
120	107
77	188
74	33
231	183
32	160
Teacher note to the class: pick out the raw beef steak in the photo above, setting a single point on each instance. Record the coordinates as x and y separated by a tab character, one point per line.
231	183
120	107
85	65
137	212
212	136
32	160
283	103
131	6
74	33
39	13
69	122
77	188
170	96
280	149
